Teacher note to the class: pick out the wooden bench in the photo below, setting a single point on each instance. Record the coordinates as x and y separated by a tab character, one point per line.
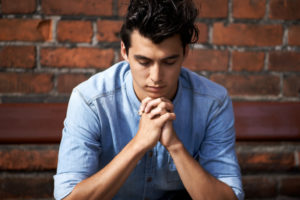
30	133
43	122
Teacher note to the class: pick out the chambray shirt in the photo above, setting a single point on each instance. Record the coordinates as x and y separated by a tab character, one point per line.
102	117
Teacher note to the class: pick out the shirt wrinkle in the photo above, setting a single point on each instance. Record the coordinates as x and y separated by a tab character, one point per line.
109	120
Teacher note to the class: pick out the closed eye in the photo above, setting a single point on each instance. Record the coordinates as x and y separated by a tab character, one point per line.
142	60
170	62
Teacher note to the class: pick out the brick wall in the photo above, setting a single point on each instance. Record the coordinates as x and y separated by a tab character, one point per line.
252	47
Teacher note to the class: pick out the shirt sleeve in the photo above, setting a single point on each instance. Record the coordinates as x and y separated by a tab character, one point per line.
80	146
217	153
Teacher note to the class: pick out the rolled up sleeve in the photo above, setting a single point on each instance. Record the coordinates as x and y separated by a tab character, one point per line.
80	146
217	153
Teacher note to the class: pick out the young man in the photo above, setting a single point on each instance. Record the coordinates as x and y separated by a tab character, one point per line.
146	128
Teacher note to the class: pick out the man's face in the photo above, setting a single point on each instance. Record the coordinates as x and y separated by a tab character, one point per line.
155	68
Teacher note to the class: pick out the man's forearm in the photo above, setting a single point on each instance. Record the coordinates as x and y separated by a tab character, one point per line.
106	183
199	183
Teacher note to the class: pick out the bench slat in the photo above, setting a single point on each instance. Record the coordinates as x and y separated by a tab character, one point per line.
43	122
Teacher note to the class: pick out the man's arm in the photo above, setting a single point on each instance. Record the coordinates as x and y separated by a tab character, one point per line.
199	183
106	183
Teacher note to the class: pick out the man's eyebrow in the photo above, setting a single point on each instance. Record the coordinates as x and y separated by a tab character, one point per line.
171	57
140	57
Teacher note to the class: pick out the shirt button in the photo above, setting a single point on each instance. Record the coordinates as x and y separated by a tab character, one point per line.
150	154
149	179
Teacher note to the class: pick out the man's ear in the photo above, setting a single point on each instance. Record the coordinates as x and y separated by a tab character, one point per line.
123	51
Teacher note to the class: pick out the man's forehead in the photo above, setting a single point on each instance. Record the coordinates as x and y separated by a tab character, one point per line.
144	46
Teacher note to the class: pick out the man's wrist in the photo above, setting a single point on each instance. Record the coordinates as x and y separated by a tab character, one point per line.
175	147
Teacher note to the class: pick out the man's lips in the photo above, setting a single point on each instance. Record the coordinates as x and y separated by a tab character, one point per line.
155	88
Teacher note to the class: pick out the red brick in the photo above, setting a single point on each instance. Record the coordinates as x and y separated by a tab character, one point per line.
211	60
122	7
77	57
266	161
290	186
247	61
66	82
25	29
74	31
247	34
78	7
28	159
108	30
259	187
18	7
298	154
25	83
249	9
285	9
207	8
28	186
294	32
284	61
239	84
17	56
212	9
291	86
203	33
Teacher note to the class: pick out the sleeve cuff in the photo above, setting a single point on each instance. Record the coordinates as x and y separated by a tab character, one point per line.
236	185
65	183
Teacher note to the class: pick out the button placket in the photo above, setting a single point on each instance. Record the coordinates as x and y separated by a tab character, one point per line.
148	173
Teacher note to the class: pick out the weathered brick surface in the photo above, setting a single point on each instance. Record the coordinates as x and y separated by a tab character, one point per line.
212	9
203	32
285	9
28	159
249	84
18	7
259	187
211	60
108	30
77	57
63	35
79	7
249	9
291	85
207	8
247	34
122	7
66	82
284	61
290	186
294	32
74	31
232	50
25	83
248	61
298	154
26	186
17	56
266	161
25	29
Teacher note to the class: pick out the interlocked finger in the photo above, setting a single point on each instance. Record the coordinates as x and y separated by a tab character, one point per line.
144	104
158	111
159	102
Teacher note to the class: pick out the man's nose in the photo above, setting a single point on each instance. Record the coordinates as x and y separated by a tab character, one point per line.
155	73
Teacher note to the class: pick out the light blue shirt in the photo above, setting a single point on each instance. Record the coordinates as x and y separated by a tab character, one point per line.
102	118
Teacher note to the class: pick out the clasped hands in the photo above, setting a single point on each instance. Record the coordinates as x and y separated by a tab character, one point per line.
156	123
